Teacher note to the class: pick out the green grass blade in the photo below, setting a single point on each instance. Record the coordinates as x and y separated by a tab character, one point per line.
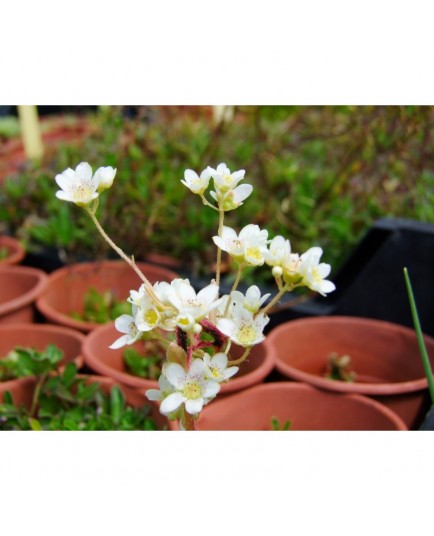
422	347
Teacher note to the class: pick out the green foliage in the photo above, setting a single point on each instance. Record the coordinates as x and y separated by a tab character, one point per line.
67	402
277	427
322	176
146	363
4	253
21	362
101	307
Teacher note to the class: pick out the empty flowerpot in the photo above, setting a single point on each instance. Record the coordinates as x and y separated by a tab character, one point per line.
39	336
383	356
66	288
102	359
20	286
304	406
11	251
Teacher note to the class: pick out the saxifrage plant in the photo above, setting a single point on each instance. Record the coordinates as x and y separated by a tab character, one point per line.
204	323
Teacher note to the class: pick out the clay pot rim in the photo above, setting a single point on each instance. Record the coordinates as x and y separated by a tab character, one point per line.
28	297
17	251
390	388
299	386
235	384
95	364
56	316
47	328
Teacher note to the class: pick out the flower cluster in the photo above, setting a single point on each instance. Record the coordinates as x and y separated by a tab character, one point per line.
198	329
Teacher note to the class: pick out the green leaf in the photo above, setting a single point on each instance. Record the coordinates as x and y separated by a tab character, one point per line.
117	402
69	374
35	425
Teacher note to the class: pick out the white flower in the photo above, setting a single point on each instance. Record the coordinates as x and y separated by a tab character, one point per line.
224	180
243	329
252	301
195	183
191	307
233	198
126	324
147	316
78	186
279	252
191	388
247	247
105	176
216	367
314	273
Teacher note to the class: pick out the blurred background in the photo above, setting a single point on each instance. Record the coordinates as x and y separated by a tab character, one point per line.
321	175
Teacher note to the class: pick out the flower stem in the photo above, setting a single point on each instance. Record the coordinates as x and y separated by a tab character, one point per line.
219	251
187	421
234	287
207	203
241	359
419	334
125	257
272	303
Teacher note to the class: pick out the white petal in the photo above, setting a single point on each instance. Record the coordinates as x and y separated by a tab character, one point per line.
221	168
171	403
206	174
119	343
190	175
220	360
153	394
65	179
175	374
197	367
209	293
84	171
238	175
242	192
324	270
229	234
253	294
186	291
194	406
229	372
226	326
60	194
326	286
220	243
210	388
123	323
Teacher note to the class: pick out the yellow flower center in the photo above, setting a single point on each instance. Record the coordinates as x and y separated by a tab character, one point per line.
82	192
151	317
192	391
215	371
246	335
254	253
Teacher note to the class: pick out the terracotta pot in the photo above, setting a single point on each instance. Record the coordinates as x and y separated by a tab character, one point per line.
54	131
66	287
100	358
164	260
306	407
20	286
39	336
384	356
22	393
15	251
